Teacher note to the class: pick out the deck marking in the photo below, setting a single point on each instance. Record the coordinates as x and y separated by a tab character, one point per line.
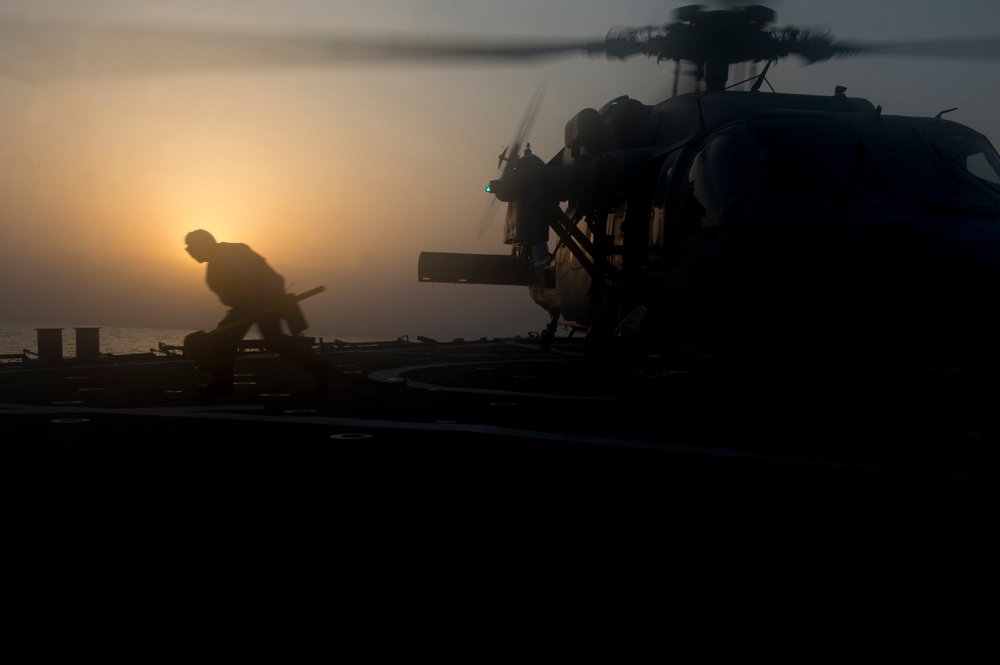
233	413
393	375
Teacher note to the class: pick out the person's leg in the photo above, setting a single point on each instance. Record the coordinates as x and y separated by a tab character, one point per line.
221	358
293	350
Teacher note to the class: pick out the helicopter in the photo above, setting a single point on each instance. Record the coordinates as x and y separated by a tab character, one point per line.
744	219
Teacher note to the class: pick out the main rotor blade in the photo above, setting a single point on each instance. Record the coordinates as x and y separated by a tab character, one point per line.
527	120
34	50
980	48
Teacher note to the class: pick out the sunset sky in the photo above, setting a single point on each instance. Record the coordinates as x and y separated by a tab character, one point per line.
341	175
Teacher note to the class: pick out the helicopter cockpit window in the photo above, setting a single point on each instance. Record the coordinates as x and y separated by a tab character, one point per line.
717	180
980	166
971	159
935	166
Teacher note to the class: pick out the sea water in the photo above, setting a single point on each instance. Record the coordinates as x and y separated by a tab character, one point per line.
17	337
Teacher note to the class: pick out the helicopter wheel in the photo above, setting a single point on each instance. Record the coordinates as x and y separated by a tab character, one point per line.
548	335
599	349
620	348
546	342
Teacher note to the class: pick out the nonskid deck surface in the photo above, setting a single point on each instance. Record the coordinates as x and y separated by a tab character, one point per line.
503	418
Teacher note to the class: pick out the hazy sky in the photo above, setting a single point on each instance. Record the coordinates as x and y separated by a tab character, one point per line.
341	175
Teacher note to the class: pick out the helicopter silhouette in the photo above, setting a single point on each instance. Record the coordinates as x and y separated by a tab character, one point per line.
745	219
724	217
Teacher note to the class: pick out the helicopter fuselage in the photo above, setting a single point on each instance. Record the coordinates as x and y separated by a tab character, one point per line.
739	218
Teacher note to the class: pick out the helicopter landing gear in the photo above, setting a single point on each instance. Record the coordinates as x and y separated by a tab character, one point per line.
549	334
627	332
631	343
599	347
619	348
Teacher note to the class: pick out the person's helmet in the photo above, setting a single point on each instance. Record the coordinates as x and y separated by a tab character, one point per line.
199	238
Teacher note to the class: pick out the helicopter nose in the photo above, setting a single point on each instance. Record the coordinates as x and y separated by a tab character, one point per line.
960	282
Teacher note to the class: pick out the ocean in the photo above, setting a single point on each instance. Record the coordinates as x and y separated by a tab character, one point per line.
16	337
